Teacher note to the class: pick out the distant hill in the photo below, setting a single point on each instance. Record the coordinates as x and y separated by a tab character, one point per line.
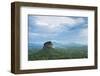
59	51
52	53
34	45
68	45
57	45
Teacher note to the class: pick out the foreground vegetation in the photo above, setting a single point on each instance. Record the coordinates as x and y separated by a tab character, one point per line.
57	53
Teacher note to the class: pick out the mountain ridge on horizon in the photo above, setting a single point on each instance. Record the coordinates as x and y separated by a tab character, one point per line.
56	45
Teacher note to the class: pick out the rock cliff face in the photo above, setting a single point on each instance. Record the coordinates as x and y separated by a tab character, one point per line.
48	44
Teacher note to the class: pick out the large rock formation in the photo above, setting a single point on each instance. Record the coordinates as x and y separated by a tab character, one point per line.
47	52
48	44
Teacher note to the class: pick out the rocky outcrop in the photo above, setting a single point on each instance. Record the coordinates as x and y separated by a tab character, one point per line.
48	44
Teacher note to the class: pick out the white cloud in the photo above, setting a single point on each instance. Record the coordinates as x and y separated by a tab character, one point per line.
54	24
83	36
49	28
56	21
34	34
42	35
84	33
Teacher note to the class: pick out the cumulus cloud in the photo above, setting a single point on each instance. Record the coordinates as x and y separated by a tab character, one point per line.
42	35
84	32
84	35
56	28
53	22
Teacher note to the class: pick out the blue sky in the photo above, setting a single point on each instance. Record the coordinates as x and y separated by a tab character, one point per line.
60	29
